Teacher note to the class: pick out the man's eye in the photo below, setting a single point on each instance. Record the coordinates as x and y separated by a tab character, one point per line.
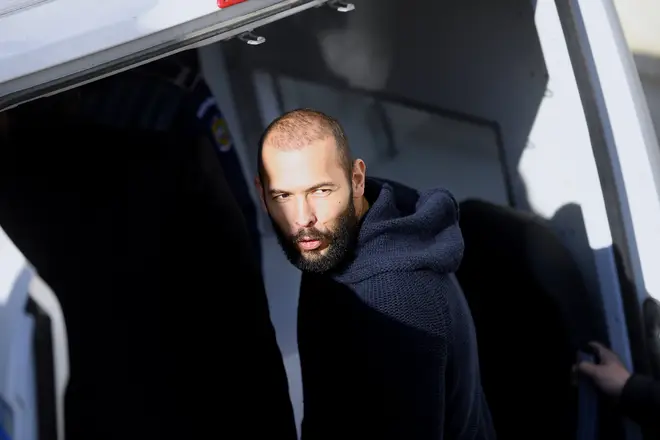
281	197
322	192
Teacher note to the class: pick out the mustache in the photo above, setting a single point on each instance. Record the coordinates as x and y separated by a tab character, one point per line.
309	234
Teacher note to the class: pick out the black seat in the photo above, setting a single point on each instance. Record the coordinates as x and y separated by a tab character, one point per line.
531	312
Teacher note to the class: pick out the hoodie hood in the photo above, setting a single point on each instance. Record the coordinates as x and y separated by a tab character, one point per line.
404	231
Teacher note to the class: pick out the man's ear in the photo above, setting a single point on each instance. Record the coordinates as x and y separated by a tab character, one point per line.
358	177
260	191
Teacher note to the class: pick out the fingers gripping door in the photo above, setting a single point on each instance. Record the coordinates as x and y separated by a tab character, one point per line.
33	352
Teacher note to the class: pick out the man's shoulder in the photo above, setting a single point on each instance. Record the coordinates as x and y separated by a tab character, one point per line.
422	295
428	282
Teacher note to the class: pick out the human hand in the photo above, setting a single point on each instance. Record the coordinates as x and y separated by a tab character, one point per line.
609	375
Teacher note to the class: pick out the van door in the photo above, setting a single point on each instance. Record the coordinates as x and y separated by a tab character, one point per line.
75	41
628	160
34	367
627	157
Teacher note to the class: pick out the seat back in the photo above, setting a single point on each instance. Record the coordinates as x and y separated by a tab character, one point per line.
531	313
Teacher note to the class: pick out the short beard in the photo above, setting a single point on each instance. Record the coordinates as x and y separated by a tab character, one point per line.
341	243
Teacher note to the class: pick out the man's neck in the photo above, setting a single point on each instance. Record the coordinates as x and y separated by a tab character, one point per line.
362	207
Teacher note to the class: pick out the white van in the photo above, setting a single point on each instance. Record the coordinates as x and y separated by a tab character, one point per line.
530	105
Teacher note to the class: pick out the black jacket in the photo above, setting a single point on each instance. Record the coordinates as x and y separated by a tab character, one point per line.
640	400
387	343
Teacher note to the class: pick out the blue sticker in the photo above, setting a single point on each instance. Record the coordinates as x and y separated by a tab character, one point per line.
6	421
4	435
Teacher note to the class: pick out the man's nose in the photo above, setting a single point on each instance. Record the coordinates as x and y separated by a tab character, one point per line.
305	217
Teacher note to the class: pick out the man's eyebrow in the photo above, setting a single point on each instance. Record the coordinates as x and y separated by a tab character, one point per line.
310	189
321	185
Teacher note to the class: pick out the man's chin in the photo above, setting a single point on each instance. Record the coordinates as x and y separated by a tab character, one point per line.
315	264
313	254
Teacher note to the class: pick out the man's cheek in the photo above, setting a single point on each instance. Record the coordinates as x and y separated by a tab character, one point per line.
282	220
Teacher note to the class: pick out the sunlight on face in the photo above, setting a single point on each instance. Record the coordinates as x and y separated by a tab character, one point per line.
309	199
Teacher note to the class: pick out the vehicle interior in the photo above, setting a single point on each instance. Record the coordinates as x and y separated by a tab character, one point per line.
477	96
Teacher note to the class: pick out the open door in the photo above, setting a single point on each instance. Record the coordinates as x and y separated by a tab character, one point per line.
628	158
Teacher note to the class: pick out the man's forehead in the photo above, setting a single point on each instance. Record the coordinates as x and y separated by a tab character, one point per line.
301	168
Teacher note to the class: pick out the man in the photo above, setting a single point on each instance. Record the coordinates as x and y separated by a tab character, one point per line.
638	396
138	234
386	340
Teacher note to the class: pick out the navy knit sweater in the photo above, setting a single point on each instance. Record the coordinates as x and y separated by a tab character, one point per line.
387	343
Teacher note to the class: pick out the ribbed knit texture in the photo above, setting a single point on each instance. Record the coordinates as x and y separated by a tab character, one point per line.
387	343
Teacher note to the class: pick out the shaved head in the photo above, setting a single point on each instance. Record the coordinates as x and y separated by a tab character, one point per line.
300	128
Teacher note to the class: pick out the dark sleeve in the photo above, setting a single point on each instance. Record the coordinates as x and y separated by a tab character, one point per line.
243	317
466	409
640	400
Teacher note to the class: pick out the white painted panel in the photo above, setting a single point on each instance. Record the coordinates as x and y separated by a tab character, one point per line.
438	151
432	150
18	403
562	180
